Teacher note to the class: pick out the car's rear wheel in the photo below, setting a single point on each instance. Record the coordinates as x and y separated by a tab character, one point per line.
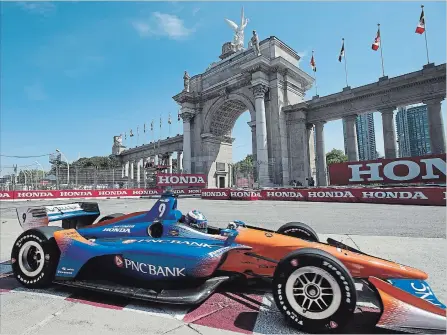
314	291
299	230
111	216
34	259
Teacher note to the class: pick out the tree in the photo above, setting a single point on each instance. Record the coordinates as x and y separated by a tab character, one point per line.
335	156
246	165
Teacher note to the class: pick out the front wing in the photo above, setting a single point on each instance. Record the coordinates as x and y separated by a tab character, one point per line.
403	310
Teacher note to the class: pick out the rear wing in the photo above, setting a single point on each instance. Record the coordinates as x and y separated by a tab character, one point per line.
39	216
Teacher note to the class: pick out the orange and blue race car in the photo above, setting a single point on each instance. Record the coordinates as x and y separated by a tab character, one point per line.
153	255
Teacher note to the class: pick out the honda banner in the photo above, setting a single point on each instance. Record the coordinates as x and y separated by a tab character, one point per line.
423	169
181	180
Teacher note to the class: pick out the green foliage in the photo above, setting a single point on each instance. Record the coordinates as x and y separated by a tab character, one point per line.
335	156
100	162
30	176
246	165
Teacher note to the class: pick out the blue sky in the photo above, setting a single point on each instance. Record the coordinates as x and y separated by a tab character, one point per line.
74	74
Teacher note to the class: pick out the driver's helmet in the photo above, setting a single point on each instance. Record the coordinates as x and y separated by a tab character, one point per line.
197	220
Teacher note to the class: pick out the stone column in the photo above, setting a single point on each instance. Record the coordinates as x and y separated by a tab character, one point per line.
351	138
126	169
321	157
187	141
156	160
389	132
261	136
170	161
123	171
252	125
435	126
139	162
179	161
311	150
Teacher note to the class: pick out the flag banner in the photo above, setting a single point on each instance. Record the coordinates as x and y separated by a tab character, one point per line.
131	133
152	125
342	51
421	26
144	129
312	63
376	45
169	118
125	136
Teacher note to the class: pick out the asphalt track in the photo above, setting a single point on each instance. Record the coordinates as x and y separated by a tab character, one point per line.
413	235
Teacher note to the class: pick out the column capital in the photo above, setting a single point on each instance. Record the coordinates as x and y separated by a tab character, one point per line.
387	110
352	117
319	123
309	126
252	124
259	91
433	101
187	114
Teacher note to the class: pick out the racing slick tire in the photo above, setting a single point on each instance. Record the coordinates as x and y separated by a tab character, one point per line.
34	258
314	291
299	230
111	216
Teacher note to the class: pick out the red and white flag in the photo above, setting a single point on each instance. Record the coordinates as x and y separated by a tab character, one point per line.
312	63
376	44
421	26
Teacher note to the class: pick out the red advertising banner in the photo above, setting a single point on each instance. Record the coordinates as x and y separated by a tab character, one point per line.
181	180
215	194
74	194
431	196
422	169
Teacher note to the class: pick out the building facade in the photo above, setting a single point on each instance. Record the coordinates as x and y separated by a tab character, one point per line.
366	138
412	128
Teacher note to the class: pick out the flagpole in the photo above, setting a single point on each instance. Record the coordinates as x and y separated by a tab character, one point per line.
425	35
346	67
138	137
315	74
381	47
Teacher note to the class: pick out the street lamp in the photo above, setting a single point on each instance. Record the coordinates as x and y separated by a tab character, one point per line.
68	166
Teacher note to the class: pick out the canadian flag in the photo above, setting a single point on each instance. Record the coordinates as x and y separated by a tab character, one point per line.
376	44
312	63
421	26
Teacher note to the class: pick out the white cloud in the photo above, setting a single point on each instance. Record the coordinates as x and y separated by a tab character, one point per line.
161	24
35	92
302	55
40	7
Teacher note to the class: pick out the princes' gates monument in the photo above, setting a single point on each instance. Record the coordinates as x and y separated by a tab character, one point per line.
265	79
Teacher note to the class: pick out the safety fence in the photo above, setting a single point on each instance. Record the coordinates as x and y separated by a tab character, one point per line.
431	196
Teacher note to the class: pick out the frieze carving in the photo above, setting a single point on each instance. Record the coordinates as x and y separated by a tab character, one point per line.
259	91
349	106
385	98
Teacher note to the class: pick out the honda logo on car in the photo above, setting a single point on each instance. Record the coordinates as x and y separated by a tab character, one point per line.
119	229
153	270
181	180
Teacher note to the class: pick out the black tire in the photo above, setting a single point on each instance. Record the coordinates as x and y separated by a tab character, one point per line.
111	216
321	267
299	230
28	270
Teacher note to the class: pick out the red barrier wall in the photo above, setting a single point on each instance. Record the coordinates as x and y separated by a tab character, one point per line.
71	194
432	196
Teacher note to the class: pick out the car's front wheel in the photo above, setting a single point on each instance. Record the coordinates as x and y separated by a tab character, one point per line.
299	230
34	259
314	291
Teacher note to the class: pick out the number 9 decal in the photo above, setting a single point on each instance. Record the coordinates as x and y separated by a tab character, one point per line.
162	209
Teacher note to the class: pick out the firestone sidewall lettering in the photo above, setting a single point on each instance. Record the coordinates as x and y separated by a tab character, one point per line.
154	270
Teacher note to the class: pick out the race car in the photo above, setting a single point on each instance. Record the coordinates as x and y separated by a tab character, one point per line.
154	256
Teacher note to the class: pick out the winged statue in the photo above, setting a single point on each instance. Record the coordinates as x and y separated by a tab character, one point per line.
238	40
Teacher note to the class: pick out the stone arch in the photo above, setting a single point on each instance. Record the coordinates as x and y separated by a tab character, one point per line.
223	113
